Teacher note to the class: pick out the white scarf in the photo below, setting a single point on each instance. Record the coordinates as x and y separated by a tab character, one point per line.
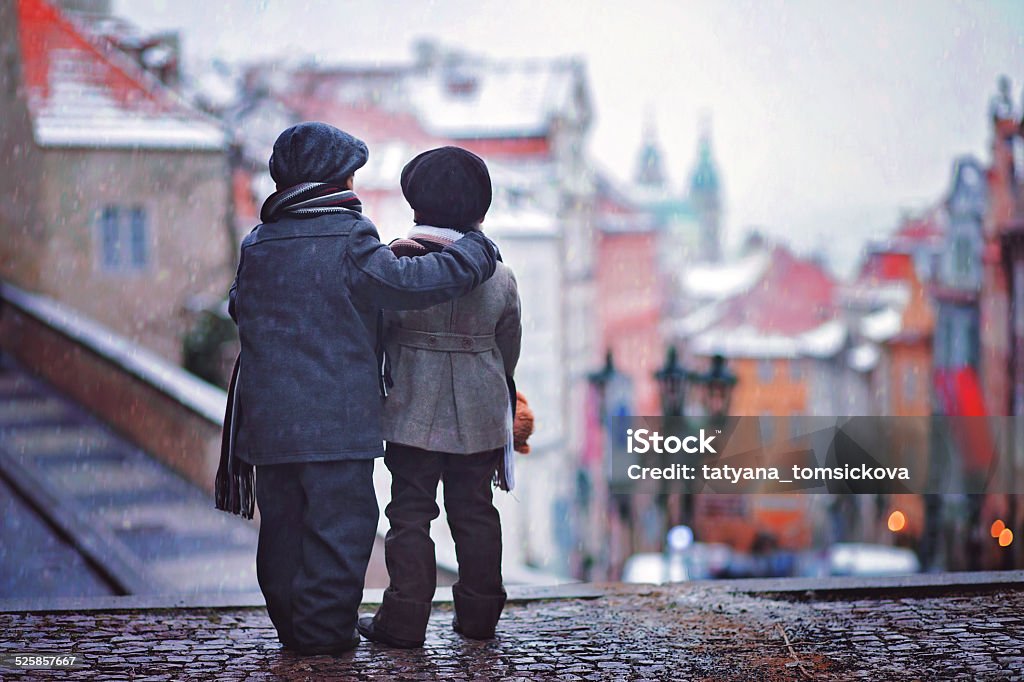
443	234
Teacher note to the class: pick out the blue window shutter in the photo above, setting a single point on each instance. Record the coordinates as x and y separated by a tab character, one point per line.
110	238
139	238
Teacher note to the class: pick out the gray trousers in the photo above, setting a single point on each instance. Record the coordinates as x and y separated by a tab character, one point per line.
317	525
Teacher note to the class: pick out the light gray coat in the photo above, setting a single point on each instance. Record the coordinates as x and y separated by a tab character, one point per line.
448	365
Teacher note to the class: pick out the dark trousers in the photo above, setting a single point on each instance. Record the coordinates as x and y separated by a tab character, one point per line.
409	551
317	525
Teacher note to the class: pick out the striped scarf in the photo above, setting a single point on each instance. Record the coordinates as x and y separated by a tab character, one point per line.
309	199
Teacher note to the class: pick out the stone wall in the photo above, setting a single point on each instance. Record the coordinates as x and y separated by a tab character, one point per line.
185	198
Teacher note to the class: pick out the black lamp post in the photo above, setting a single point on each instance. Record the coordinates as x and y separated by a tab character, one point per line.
599	380
602	377
719	383
672	380
717	386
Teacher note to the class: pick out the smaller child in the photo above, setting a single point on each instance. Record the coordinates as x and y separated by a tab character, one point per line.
446	417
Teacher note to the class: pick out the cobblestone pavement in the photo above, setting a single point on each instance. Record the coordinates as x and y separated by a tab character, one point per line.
695	632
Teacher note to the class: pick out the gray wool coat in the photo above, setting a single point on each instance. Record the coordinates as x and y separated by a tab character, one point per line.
448	367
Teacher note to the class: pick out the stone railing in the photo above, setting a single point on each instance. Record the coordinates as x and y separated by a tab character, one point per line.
159	406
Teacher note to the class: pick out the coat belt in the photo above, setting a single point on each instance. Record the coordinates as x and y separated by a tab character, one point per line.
441	341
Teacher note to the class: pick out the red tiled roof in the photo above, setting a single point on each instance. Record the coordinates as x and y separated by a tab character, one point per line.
786	310
920	228
887	266
84	92
792	297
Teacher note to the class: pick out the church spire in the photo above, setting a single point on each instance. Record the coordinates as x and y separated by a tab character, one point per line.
705	174
705	196
650	171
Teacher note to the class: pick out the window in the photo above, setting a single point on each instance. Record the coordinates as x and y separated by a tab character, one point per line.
910	384
766	421
963	260
123	239
765	371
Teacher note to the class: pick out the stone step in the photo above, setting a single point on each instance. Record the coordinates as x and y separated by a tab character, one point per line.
45	441
34	410
137	503
17	385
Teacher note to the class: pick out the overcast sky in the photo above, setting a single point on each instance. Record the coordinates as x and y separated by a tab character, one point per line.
827	117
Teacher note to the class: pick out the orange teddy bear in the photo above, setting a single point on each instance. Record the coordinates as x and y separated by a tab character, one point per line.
523	427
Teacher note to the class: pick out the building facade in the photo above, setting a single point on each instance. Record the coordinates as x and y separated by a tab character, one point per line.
115	197
957	286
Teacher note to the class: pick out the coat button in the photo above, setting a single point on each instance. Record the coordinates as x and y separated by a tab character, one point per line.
467	344
432	340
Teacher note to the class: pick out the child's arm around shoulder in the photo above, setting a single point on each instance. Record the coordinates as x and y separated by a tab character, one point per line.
380	279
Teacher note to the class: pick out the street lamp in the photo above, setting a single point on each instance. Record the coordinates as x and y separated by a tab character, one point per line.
602	377
719	383
672	380
601	381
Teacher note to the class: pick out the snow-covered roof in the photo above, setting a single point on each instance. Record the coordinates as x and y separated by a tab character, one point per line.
747	341
383	169
85	93
521	223
723	280
766	304
874	295
216	87
882	325
824	341
864	358
479	99
697	320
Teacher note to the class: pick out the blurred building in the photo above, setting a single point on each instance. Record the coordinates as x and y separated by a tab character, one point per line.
891	319
1002	320
1002	310
772	314
630	292
957	286
115	194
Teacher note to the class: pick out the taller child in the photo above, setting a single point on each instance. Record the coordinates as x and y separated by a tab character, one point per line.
311	281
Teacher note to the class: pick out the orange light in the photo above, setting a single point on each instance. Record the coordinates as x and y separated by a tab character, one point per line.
897	521
997	527
1006	537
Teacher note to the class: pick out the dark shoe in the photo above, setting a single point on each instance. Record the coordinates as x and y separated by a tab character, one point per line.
368	629
323	651
471	635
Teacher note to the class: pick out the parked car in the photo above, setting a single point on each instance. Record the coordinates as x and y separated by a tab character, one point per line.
699	561
863	559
